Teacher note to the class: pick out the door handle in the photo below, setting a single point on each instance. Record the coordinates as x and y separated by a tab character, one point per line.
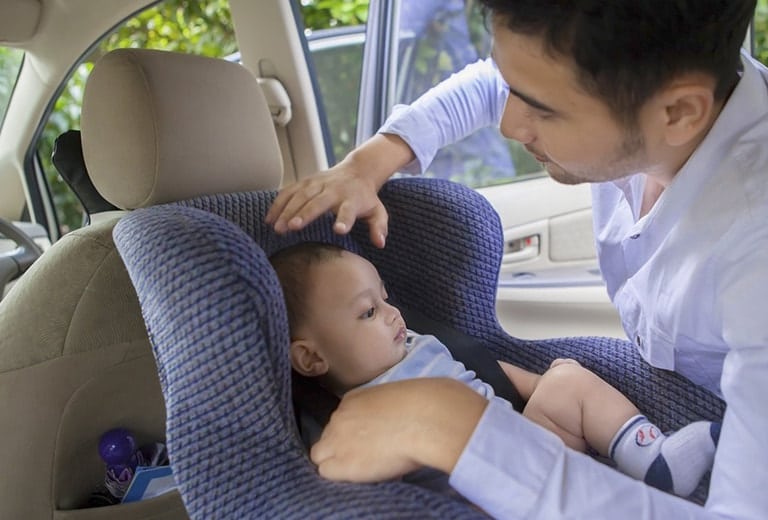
521	249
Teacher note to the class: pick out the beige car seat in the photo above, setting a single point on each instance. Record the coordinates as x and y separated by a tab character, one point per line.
75	360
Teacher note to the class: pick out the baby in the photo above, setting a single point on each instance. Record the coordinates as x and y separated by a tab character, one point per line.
346	334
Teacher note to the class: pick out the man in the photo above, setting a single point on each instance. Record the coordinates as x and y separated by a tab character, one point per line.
652	102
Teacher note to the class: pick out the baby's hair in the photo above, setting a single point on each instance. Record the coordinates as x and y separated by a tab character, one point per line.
292	266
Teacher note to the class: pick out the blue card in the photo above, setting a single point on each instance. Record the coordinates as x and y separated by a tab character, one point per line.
149	482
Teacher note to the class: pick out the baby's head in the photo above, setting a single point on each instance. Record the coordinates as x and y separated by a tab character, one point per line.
342	328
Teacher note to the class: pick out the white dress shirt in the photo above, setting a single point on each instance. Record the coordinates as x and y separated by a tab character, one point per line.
688	280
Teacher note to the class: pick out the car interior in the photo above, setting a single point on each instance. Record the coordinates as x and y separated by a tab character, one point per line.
87	365
175	327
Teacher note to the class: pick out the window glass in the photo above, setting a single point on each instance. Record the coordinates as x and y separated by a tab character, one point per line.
203	28
436	39
335	31
10	64
760	31
337	55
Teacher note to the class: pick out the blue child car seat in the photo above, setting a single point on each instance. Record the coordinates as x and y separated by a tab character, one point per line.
216	319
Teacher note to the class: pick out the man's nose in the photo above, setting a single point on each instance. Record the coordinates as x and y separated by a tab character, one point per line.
516	121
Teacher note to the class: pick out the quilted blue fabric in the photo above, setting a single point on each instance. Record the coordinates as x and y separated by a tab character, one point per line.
216	318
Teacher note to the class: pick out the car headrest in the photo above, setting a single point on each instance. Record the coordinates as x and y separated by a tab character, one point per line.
159	126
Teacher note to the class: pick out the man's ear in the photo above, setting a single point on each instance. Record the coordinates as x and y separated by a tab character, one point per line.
306	359
688	110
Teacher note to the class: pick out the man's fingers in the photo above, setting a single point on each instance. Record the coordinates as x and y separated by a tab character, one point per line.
287	212
312	208
281	201
345	217
378	225
301	203
303	207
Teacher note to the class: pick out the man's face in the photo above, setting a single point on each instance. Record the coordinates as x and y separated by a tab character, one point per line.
349	319
572	133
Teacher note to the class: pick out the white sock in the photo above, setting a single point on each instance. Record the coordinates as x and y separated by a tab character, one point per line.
672	463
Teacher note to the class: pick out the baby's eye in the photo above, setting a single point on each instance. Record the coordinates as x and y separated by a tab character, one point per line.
370	313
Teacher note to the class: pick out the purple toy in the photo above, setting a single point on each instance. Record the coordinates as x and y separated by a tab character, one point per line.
120	453
118	447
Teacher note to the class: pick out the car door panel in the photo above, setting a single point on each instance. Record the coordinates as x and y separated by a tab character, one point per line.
549	283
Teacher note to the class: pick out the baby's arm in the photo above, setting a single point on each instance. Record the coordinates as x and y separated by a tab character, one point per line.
525	382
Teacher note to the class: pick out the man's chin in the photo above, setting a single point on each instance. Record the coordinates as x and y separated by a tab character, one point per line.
563	177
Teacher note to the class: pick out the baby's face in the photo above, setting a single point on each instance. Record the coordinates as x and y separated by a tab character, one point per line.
357	331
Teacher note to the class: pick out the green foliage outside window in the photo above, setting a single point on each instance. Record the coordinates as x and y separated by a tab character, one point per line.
10	63
322	14
760	29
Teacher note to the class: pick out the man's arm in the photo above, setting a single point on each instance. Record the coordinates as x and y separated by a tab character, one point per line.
409	140
513	468
385	431
463	103
740	474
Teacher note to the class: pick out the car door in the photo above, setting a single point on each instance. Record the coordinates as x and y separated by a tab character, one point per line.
550	283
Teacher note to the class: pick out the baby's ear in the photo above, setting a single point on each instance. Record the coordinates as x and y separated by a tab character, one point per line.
306	359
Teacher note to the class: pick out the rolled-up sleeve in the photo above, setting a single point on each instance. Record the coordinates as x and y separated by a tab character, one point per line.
468	100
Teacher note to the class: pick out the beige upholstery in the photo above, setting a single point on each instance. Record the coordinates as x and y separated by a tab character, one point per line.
18	20
155	148
75	359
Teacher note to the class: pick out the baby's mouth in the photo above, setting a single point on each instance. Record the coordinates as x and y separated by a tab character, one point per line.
400	336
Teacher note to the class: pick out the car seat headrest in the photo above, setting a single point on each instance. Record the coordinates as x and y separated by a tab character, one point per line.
159	126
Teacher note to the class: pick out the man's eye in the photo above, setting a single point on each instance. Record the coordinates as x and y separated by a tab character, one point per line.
542	115
369	313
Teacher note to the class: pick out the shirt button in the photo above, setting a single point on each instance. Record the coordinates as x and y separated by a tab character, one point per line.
635	236
639	342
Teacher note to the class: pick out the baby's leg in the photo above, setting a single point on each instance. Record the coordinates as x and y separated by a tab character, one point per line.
583	409
578	406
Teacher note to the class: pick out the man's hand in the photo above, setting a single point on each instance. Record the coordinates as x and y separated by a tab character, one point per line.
383	432
349	190
348	195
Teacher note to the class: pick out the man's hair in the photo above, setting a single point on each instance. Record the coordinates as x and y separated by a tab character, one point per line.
292	266
626	50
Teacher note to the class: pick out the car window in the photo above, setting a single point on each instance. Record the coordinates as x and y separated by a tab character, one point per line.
10	64
335	33
435	39
337	56
203	28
